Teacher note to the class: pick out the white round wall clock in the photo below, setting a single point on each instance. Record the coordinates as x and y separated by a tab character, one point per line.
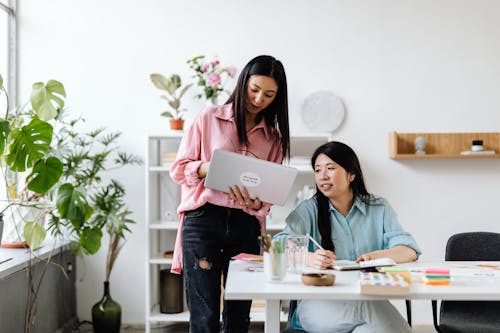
323	111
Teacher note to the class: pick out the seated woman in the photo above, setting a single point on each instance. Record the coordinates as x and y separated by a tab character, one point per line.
350	224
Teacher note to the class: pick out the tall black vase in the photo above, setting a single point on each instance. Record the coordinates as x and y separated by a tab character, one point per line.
106	314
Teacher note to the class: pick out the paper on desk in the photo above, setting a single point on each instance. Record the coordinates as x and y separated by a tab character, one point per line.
461	271
489	264
249	257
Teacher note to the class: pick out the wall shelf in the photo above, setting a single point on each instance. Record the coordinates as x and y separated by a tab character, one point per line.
442	145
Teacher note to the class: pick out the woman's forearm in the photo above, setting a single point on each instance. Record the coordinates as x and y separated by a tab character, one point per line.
399	253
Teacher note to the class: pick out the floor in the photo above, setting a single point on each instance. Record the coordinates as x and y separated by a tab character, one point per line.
184	328
171	328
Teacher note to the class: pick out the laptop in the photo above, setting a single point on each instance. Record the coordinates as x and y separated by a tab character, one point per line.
269	181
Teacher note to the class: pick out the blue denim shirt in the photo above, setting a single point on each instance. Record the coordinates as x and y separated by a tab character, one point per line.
366	228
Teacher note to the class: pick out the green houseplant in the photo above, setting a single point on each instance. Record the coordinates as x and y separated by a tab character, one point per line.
59	173
172	85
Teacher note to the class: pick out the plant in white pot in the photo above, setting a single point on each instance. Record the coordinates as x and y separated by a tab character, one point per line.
172	85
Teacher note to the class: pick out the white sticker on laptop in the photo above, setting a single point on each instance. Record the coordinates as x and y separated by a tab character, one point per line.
250	179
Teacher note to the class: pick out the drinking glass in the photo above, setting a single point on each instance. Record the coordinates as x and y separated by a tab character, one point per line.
296	249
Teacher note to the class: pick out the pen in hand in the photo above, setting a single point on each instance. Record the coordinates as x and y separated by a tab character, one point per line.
323	261
315	242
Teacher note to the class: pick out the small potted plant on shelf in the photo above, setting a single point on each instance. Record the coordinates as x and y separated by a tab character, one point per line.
173	86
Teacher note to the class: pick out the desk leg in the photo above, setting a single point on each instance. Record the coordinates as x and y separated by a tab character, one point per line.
272	323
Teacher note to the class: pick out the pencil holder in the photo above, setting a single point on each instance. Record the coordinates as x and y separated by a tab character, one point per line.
274	266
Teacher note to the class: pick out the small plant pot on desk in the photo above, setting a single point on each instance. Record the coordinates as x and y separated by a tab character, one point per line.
176	124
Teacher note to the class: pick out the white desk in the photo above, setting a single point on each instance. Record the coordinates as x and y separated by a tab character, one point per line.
243	284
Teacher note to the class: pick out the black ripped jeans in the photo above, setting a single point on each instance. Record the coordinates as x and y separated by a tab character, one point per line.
211	235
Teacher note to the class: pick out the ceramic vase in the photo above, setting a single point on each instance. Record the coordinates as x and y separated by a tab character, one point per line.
106	314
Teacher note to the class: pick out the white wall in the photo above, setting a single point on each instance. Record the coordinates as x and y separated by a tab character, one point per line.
421	65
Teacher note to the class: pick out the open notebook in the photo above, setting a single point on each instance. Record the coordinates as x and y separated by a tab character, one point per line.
348	265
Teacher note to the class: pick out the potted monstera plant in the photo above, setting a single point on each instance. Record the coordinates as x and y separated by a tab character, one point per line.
56	170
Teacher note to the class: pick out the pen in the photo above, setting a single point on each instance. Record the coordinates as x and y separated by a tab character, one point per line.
315	242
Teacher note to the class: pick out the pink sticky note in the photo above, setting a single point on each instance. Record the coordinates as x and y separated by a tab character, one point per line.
437	270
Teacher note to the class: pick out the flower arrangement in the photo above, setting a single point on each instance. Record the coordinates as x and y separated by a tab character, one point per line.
211	76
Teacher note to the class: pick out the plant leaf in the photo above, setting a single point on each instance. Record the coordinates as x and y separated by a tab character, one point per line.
90	239
163	83
174	104
176	81
72	205
45	99
46	173
28	144
167	114
34	234
183	91
4	133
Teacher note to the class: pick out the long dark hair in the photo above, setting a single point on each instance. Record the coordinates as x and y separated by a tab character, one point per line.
344	156
276	114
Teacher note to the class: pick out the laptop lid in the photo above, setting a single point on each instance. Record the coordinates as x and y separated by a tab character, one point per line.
269	181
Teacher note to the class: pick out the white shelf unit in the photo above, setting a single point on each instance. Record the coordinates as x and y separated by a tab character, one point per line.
163	197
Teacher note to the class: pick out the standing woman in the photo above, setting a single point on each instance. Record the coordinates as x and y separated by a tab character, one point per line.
351	224
216	226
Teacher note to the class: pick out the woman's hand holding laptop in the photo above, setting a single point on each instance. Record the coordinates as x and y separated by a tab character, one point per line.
235	193
244	198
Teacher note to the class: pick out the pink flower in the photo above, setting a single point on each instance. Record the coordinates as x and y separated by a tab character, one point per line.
231	70
215	63
213	80
203	68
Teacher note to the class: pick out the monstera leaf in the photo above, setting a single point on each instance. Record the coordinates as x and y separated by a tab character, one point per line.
90	239
34	233
72	205
46	100
4	132
46	173
28	144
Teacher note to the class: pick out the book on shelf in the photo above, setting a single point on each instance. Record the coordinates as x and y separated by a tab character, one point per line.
168	157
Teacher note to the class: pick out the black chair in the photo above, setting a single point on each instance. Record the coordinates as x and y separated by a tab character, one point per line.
293	306
470	316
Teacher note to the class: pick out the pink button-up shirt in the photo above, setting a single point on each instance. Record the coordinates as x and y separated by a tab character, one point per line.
214	128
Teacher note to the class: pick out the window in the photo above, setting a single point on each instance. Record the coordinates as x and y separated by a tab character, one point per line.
4	44
8	60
